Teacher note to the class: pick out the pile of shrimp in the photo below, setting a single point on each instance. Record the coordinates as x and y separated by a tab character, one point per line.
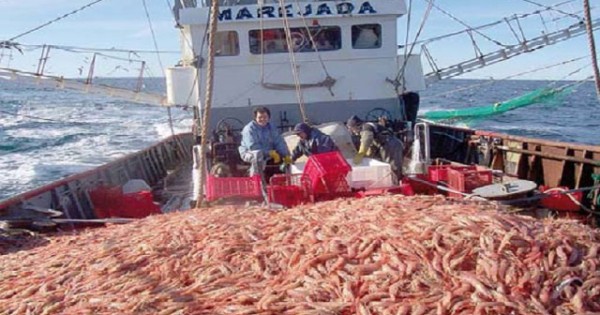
378	255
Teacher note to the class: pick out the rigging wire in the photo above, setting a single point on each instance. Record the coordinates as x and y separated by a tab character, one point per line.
491	24
42	118
55	20
79	49
293	63
493	81
553	8
466	25
159	60
402	70
313	43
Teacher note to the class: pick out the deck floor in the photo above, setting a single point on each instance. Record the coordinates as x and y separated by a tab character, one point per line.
176	191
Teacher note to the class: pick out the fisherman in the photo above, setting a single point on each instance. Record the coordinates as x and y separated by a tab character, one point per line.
262	144
312	141
378	142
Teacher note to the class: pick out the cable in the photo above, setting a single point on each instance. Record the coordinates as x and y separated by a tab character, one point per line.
492	81
421	27
41	118
552	8
56	20
79	49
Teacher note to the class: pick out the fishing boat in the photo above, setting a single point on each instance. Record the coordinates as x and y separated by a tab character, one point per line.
308	61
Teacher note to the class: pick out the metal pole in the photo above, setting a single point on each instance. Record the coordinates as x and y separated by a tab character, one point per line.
212	30
590	32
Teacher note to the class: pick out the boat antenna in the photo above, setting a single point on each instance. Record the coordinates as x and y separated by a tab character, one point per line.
590	31
212	30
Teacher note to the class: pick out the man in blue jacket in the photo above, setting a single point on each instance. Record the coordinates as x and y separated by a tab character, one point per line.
312	141
261	142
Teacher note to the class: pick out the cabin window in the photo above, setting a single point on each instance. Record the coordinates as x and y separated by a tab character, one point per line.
227	43
273	40
366	36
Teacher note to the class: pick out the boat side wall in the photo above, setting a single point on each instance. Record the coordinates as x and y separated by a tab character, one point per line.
71	195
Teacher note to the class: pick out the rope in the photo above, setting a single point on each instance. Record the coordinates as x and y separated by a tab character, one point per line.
212	30
400	74
590	32
492	81
55	20
466	25
79	49
488	25
551	8
328	77
41	118
290	44
406	50
159	61
153	36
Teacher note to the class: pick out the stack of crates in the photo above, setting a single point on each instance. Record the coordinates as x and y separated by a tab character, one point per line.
327	173
289	190
465	180
224	187
439	173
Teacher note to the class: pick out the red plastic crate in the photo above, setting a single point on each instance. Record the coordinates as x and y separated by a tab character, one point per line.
403	188
467	180
105	199
223	187
421	188
287	196
110	202
289	190
330	164
331	187
327	174
558	201
439	173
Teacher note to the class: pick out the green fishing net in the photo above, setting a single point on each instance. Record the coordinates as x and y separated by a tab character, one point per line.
543	95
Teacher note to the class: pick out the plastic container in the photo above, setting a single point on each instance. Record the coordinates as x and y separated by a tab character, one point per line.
466	180
558	201
289	190
181	86
439	173
137	205
370	174
326	164
327	174
110	202
223	187
419	187
404	189
105	199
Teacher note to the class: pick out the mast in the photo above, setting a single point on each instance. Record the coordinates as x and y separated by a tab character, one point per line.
590	31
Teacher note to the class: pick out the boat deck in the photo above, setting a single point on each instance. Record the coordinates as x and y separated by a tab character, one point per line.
177	190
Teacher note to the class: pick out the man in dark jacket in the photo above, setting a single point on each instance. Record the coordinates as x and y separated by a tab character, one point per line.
312	141
378	142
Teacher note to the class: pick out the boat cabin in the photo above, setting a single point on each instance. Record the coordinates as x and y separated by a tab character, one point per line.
333	58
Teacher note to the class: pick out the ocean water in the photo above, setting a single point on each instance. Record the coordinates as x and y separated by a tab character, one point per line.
48	134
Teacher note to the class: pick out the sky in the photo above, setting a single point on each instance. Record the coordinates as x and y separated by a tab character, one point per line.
123	24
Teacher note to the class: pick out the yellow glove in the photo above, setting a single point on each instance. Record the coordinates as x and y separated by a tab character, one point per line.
287	160
358	158
275	156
